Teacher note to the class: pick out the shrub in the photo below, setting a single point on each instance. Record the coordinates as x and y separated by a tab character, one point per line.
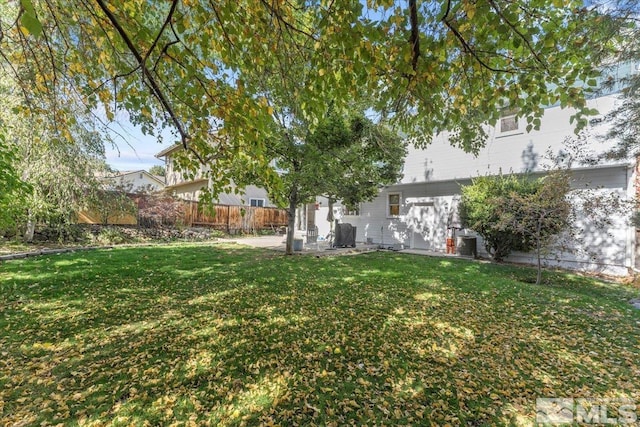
480	210
539	216
160	210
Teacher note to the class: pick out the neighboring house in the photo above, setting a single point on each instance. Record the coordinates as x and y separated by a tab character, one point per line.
417	211
110	211
139	181
191	189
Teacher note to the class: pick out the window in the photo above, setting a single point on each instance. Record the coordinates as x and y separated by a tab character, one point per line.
393	204
509	120
508	124
256	202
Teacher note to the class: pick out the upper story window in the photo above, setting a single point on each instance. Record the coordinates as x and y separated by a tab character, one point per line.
393	204
256	203
509	121
508	124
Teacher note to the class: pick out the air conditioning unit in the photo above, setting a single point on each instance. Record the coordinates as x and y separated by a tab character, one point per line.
345	235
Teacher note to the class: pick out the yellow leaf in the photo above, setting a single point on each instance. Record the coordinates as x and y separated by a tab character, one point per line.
471	10
321	72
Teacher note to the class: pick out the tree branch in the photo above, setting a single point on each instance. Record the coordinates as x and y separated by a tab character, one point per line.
286	23
466	46
414	39
167	20
155	88
522	36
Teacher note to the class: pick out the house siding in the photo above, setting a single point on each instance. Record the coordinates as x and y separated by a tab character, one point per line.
515	152
139	181
428	209
433	176
188	191
192	189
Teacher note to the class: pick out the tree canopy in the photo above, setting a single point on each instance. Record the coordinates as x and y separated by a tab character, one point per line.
198	66
157	170
58	171
344	158
13	190
625	118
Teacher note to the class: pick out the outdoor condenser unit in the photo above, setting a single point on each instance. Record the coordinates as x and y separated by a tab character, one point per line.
345	236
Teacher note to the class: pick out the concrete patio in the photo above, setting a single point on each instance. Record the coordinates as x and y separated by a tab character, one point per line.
278	242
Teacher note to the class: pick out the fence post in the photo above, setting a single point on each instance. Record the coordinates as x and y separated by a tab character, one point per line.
228	219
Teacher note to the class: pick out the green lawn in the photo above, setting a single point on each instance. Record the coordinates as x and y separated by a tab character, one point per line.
226	335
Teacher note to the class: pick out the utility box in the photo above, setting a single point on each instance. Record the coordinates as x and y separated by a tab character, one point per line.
467	246
298	244
345	236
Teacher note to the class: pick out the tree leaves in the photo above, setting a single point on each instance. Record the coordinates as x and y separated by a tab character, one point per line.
180	65
30	22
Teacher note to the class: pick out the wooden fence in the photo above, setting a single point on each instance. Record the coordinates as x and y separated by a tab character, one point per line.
153	211
235	219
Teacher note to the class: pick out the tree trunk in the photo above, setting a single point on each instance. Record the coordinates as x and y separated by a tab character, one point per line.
31	228
330	218
539	276
291	221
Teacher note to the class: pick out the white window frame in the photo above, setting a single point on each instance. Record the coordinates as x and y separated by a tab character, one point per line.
509	114
264	201
512	118
399	204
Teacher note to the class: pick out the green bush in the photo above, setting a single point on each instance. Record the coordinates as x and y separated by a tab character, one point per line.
480	210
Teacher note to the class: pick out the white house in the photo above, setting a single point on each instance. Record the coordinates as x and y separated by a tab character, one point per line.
139	181
417	211
192	189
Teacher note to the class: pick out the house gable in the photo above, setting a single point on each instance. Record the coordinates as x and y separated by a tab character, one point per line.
135	181
191	189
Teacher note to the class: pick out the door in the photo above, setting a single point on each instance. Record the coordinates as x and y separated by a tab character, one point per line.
420	221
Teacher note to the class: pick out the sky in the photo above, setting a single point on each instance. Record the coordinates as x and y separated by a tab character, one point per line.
133	149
